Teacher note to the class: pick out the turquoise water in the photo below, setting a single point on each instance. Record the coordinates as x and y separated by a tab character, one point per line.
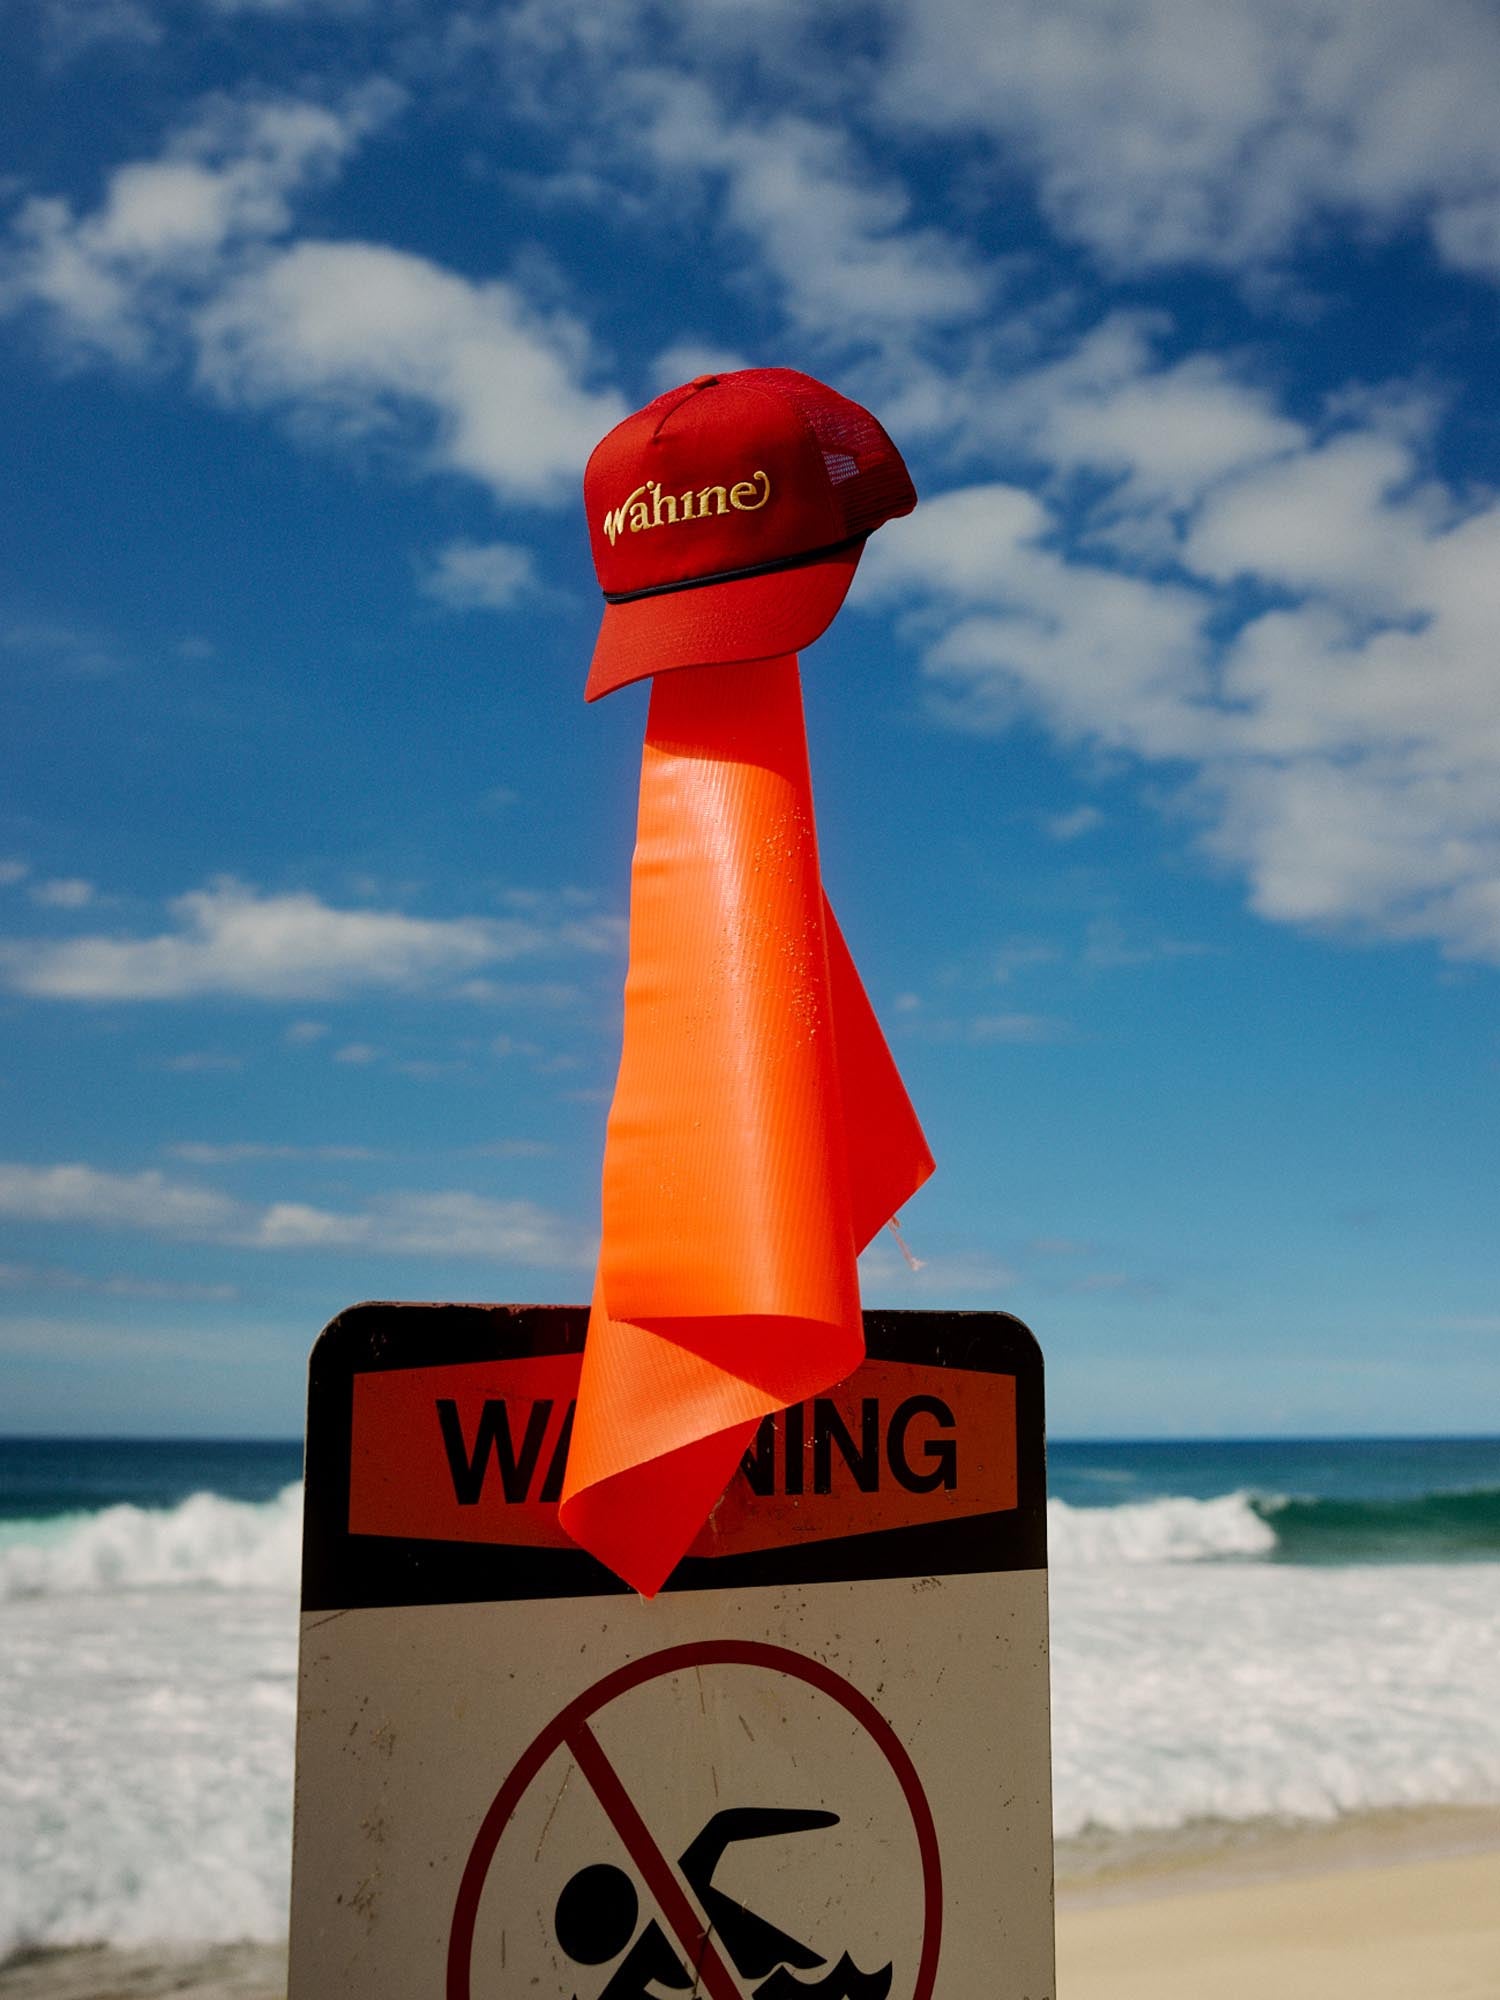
1338	1500
41	1478
1326	1500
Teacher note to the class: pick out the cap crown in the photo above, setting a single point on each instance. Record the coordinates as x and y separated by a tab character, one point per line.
737	472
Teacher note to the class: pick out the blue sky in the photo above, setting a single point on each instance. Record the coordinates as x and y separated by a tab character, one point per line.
1157	755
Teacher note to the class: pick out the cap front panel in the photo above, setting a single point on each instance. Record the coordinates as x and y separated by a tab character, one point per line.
727	479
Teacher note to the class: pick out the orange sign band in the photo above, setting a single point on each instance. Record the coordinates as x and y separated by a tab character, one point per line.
475	1452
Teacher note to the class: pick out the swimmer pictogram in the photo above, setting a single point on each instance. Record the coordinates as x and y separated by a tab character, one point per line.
598	1915
667	1923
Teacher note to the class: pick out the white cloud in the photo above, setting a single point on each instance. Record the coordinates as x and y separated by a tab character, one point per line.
479	576
449	1222
358	336
505	1046
1114	1281
288	8
32	1337
13	871
967	1274
1108	947
1210	131
224	182
1341	738
1227	133
204	1153
685	360
1340	519
111	1285
348	339
89	1195
649	110
1029	1028
452	1224
1021	955
545	993
55	647
838	236
66	892
1164	432
1075	824
1467	233
230	939
1364	722
1102	654
987	1030
67	28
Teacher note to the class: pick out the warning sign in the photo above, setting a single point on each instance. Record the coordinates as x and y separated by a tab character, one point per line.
816	1764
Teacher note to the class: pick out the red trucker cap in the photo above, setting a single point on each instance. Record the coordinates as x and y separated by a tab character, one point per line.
727	519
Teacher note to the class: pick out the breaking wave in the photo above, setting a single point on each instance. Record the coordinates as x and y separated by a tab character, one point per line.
1155	1531
204	1542
209	1542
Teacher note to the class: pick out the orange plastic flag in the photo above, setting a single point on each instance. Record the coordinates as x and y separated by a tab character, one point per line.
759	1136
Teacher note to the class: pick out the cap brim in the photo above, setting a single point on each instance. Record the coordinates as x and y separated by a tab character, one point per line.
715	624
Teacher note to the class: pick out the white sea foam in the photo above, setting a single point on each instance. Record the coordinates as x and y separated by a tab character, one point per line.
207	1541
145	1766
239	1545
147	1700
1242	1692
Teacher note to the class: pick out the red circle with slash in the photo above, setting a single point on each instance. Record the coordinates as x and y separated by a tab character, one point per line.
570	1731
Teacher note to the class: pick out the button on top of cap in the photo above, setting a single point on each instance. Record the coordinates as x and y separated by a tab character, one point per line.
703	381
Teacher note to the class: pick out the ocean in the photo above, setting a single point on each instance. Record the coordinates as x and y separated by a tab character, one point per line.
1245	1635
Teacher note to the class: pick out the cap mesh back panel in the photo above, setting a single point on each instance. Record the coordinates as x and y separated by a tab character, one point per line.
870	483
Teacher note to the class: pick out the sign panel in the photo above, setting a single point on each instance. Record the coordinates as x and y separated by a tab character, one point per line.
817	1763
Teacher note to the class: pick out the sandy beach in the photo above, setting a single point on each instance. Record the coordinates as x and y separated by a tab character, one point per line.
1377	1929
1318	1915
1426	1930
226	1972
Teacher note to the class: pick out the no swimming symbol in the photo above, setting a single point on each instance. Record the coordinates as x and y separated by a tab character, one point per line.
702	1935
